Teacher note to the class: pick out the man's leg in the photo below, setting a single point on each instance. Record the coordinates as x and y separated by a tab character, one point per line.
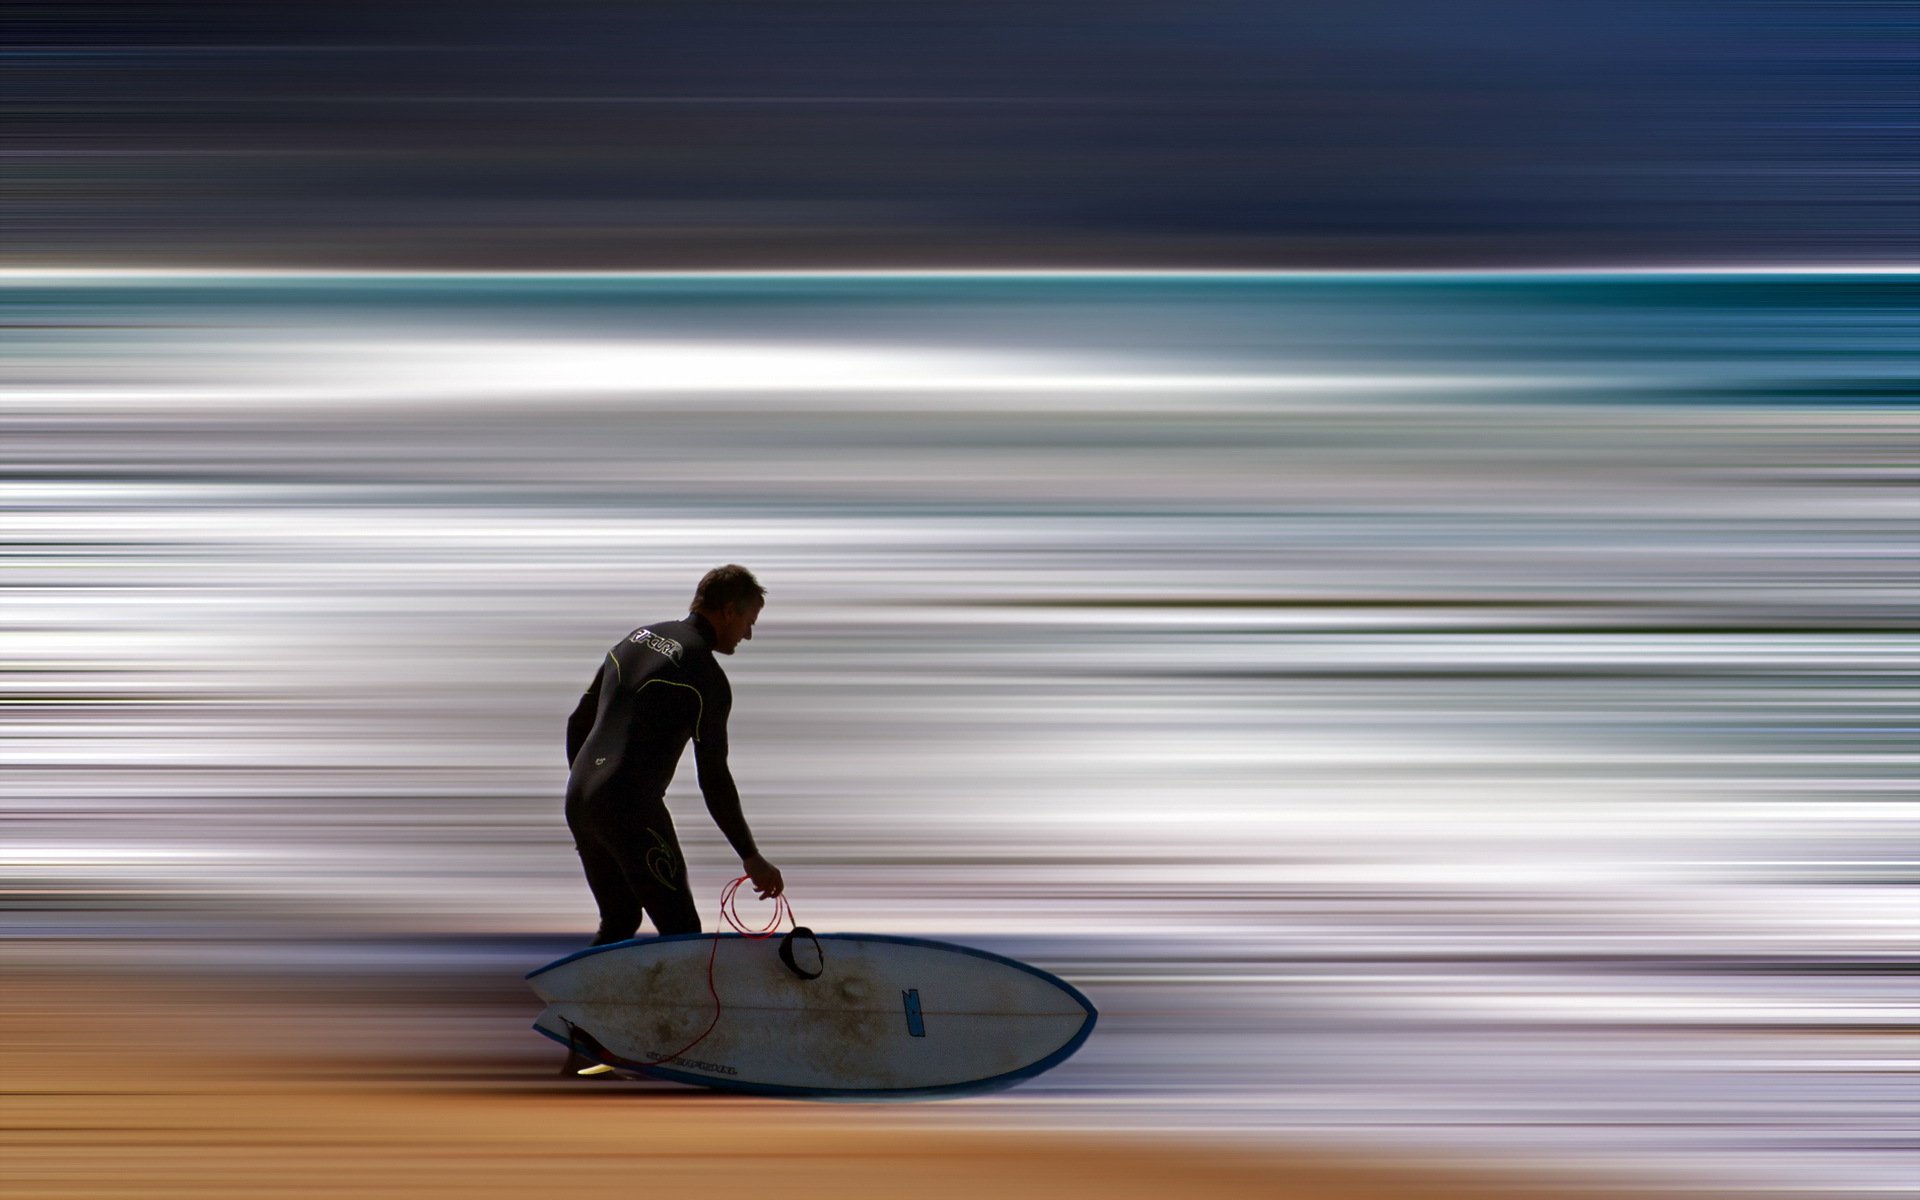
633	862
619	908
607	880
669	901
657	872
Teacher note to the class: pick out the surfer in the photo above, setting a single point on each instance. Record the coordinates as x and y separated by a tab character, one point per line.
658	687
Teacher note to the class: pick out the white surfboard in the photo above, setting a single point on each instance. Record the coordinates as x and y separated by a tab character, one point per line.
887	1016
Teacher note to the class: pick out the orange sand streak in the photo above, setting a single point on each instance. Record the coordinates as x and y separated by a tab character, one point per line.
119	1091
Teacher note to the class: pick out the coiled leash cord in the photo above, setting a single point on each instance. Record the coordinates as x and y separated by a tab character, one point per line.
782	911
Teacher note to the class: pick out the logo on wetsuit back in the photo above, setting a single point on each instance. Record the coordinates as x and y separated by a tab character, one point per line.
659	645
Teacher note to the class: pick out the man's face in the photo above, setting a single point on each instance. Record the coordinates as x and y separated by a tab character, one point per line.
733	625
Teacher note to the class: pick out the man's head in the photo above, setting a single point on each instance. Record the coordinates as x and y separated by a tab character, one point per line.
730	598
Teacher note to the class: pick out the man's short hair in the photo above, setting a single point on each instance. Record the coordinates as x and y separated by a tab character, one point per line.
731	584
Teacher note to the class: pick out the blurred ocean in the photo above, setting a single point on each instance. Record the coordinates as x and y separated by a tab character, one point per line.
1467	711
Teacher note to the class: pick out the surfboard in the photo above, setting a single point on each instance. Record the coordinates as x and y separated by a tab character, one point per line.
886	1016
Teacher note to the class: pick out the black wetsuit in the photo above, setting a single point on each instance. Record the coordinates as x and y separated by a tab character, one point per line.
659	686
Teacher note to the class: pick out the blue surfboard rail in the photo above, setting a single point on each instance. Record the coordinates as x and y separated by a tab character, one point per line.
969	1087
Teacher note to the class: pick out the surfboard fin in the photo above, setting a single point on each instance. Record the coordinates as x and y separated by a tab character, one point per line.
584	1047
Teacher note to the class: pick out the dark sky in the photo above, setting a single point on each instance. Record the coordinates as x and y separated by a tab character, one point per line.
631	134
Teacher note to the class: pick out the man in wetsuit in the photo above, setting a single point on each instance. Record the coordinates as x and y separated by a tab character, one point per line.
658	687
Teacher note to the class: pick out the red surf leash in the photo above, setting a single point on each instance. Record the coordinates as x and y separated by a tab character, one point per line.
782	911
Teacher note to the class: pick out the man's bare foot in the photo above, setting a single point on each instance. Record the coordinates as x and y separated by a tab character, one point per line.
580	1067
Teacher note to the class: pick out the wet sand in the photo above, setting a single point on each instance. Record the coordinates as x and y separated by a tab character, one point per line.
164	1086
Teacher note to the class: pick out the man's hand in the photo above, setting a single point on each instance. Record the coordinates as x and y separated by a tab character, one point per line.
765	876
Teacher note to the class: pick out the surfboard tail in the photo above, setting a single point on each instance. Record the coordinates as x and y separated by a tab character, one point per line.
555	1024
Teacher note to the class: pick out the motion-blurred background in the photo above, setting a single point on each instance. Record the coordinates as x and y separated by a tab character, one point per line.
1103	133
1464	709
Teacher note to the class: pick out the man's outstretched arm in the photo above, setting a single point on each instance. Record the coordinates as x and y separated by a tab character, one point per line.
723	798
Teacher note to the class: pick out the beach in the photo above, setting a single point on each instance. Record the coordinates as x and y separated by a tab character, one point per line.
143	1085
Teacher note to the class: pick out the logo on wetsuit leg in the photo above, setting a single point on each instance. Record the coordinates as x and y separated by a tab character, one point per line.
660	861
659	645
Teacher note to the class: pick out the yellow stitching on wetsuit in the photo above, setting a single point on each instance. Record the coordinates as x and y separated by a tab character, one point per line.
619	676
699	713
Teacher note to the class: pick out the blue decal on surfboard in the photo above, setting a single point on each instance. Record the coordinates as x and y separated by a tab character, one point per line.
915	1027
